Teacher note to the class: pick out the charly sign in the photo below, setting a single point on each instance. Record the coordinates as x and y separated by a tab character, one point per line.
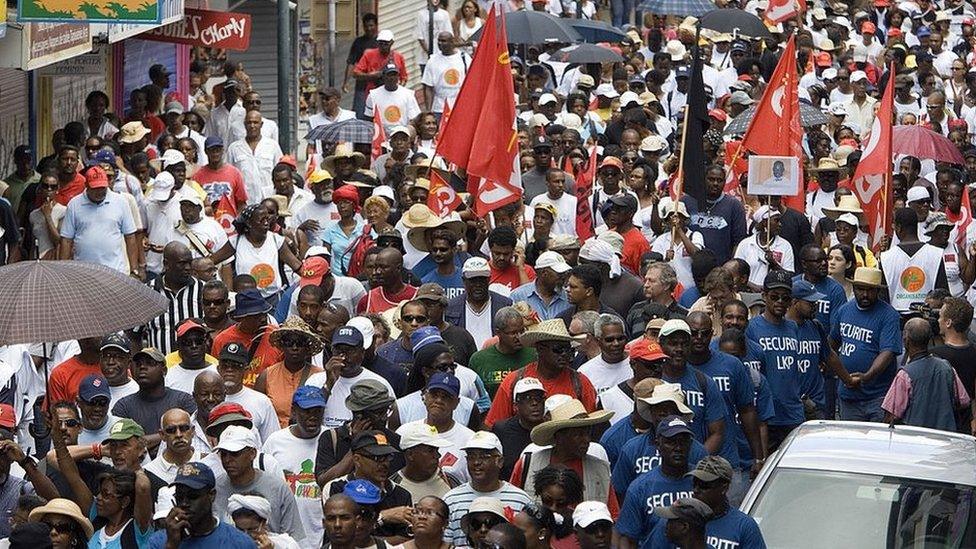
212	29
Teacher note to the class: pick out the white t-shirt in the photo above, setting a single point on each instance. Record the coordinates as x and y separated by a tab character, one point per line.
397	107
265	418
453	459
682	259
346	293
478	324
39	227
441	23
336	412
604	375
325	214
261	263
208	232
297	458
91	436
182	379
411	408
121	391
616	401
445	74
166	470
565	222
752	253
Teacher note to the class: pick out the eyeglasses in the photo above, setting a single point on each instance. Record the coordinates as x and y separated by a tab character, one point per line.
99	403
213	302
531	396
414	318
70	422
560	349
421	512
173	429
781	298
701	333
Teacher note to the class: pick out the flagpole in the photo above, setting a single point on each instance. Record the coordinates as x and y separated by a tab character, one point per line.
679	180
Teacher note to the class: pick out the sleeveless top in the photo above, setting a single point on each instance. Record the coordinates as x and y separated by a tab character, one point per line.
910	277
281	385
262	263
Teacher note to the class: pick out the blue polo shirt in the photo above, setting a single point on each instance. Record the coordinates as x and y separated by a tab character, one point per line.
706	402
735	385
650	490
835	297
814	351
639	455
527	292
98	230
779	346
863	334
732	530
615	437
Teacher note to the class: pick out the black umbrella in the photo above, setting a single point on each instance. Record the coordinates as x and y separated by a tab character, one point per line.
810	117
734	22
677	7
594	31
347	131
535	27
586	53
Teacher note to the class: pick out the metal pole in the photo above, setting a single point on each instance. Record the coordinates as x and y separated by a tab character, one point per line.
285	74
332	41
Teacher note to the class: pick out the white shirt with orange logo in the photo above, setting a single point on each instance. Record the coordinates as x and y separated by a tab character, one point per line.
396	108
445	74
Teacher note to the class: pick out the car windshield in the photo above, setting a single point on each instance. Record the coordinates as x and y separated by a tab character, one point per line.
816	509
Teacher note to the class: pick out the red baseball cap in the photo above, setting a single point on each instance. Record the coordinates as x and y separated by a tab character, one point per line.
958	124
225	409
868	28
645	349
96	178
313	271
289	160
892	32
968	21
718	114
186	326
745	78
8	419
823	59
611	161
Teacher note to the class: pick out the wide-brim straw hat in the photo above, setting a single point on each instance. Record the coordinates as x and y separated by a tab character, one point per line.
868	276
826	164
344	150
295	325
425	166
567	415
848	204
668	392
548	330
64	507
419	218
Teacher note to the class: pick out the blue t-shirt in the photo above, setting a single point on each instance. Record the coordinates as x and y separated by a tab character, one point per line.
755	360
689	297
650	490
453	284
339	242
721	223
639	455
426	265
615	437
764	411
835	297
735	385
814	351
733	530
863	335
142	538
707	403
223	537
779	345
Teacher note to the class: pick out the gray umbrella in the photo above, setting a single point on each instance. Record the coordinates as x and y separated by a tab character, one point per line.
586	53
44	301
532	28
810	117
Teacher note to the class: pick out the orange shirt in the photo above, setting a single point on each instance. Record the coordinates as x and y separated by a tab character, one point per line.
66	378
281	385
635	245
503	406
74	187
265	355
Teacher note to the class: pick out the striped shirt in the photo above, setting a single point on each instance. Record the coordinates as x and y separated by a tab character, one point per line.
459	500
187	302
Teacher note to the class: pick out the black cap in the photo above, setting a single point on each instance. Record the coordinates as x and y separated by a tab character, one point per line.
373	443
235	352
540	141
682	72
23	151
119	341
778	278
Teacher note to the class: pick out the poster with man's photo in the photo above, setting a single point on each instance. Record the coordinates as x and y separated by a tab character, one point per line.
773	175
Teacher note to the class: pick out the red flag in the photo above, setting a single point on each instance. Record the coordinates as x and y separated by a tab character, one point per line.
480	135
584	190
781	10
445	116
379	135
442	200
225	212
490	195
775	129
965	218
873	172
735	165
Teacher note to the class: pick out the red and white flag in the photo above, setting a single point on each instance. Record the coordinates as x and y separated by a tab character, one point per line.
872	179
442	200
379	135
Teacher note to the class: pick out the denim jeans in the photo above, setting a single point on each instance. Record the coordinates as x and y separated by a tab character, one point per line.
738	487
862	410
621	11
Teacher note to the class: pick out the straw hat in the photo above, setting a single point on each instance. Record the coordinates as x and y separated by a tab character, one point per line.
282	202
343	150
567	415
419	218
64	507
826	164
848	204
548	330
295	325
668	392
425	166
867	276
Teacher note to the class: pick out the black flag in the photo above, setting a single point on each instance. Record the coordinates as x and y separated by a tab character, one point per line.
695	124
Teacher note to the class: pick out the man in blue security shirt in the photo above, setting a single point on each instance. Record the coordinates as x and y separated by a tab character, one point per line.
813	264
776	336
701	392
735	385
728	527
735	314
660	487
866	332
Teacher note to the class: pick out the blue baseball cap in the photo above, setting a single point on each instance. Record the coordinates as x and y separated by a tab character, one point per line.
92	387
195	475
425	336
362	492
673	426
104	156
804	290
923	31
446	382
308	396
347	335
213	141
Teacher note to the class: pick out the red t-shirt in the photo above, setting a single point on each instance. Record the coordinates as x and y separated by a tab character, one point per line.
503	407
372	61
264	356
226	181
635	245
74	187
376	301
510	276
66	378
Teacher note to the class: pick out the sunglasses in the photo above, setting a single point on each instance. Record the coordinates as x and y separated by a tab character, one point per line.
173	429
60	527
785	298
489	523
70	422
292	341
99	402
561	349
414	318
49	187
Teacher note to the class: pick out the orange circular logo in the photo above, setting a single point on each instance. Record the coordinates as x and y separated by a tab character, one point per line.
912	279
392	114
452	77
263	274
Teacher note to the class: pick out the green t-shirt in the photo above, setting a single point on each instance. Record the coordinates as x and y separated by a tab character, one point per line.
492	365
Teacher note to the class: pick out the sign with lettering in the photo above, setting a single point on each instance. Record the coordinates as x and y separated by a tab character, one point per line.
211	29
47	43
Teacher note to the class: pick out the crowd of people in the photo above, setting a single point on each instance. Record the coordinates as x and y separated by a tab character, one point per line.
339	366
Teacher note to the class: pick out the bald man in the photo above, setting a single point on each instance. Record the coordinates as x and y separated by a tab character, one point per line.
208	391
255	156
342	519
386	283
176	430
184	292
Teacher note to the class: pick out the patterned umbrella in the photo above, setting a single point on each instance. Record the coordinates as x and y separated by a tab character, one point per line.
682	8
921	142
347	131
532	28
594	31
586	53
60	300
810	117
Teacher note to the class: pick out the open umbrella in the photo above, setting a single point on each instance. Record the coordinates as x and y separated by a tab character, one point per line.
347	131
594	31
696	8
921	142
586	53
535	27
810	117
734	22
44	301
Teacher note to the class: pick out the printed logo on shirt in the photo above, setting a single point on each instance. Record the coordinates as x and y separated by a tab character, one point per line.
709	221
217	190
644	464
303	484
448	460
719	543
263	274
665	500
392	114
912	279
452	77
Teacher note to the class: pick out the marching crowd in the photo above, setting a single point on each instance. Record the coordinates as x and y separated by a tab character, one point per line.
340	366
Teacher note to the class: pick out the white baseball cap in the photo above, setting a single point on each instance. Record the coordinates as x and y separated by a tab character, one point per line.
554	261
385	35
673	326
629	97
858	75
483	440
418	433
365	327
917	193
385	191
547	98
163	185
236	438
848	218
829	73
588	512
653	143
475	267
527	384
172	157
606	90
763	213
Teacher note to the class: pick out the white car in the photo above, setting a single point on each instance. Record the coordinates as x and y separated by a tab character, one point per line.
839	485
